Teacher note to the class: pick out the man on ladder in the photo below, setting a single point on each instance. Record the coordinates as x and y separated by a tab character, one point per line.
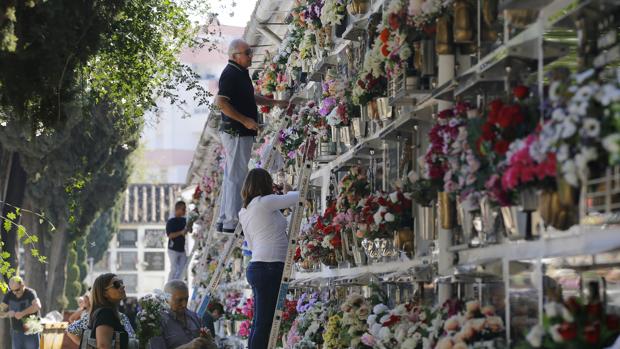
237	101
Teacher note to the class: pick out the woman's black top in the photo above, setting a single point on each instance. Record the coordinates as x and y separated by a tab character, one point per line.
107	317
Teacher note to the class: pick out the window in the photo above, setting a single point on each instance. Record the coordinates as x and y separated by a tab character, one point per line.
154	238
154	261
130	281
127	238
127	261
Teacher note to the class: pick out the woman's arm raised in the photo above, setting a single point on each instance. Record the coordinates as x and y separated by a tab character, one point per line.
280	202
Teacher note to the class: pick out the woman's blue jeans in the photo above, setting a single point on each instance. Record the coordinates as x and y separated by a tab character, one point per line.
264	277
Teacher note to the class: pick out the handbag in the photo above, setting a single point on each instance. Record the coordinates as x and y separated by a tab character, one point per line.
91	343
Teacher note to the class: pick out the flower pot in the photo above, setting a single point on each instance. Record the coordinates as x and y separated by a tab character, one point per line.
345	135
404	240
335	134
466	215
520	224
567	195
330	260
358	7
373	110
446	210
385	110
412	82
443	37
428	224
358	126
489	19
528	200
553	213
463	25
359	256
326	148
342	27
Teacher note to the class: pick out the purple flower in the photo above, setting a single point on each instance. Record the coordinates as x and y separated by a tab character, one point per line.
327	105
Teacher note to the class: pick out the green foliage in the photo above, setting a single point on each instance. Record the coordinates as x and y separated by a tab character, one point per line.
73	288
82	263
10	224
102	231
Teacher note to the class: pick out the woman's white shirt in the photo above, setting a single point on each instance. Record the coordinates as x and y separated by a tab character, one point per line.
265	227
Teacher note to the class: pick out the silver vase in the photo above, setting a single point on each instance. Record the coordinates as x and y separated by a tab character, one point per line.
515	222
428	223
345	135
385	110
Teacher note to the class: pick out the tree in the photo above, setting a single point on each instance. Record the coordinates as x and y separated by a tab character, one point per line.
102	231
74	285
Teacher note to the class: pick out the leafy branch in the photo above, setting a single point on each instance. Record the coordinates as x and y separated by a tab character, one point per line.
27	240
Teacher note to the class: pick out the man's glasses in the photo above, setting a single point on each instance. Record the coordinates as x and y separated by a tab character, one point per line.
17	290
116	284
247	52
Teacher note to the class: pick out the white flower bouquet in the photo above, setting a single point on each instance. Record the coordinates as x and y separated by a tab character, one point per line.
32	325
149	318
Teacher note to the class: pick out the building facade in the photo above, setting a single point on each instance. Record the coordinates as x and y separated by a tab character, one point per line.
138	252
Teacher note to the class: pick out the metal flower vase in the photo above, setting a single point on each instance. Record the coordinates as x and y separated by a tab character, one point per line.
345	136
404	240
428	223
447	210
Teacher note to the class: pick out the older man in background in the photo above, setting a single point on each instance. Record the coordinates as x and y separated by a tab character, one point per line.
237	101
181	328
19	303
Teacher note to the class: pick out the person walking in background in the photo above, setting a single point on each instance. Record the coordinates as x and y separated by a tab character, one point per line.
265	231
176	231
180	327
238	103
105	320
21	302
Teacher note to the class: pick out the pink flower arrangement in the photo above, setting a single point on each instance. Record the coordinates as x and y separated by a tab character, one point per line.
526	166
248	308
244	329
442	136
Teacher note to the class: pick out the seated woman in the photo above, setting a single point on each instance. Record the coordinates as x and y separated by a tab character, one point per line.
104	318
265	228
181	328
77	327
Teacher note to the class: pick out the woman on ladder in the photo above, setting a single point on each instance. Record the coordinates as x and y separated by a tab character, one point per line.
264	227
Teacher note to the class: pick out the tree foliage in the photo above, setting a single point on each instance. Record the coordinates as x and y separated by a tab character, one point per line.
102	231
73	288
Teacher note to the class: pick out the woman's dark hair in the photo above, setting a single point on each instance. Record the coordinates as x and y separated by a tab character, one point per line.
98	299
258	182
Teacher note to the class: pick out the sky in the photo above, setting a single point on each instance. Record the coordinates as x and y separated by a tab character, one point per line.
241	11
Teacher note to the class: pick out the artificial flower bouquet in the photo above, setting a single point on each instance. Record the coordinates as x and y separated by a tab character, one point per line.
149	317
476	327
382	214
407	326
32	325
585	127
352	188
573	325
332	12
347	327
